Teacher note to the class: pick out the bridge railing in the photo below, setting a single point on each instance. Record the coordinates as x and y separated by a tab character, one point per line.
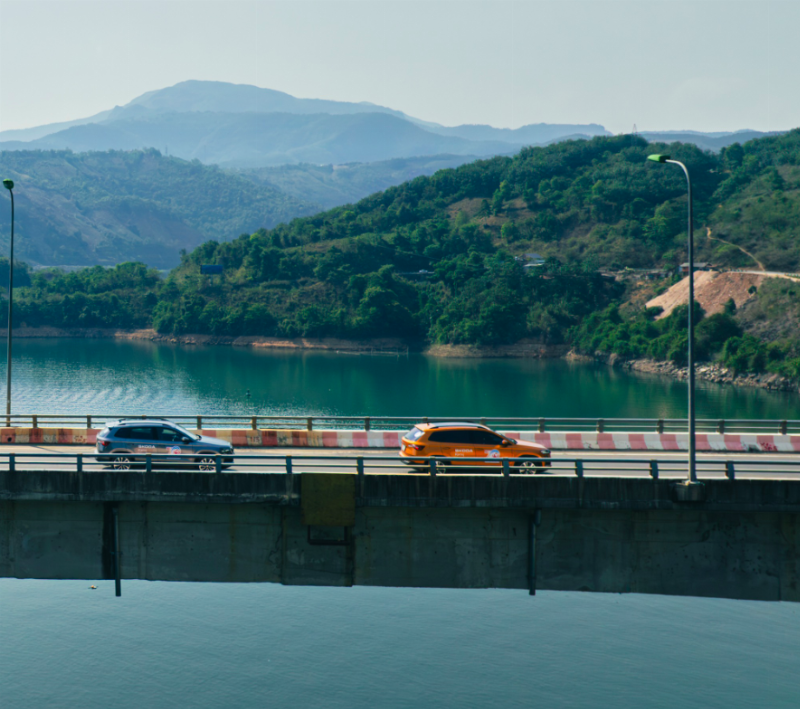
673	467
388	423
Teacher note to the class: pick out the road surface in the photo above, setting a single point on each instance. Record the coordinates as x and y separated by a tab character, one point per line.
377	461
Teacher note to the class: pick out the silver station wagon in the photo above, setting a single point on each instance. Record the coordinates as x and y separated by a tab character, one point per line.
128	439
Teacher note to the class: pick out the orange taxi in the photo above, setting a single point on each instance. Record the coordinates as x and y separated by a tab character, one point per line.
468	441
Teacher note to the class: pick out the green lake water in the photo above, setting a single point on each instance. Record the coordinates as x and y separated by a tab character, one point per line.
104	376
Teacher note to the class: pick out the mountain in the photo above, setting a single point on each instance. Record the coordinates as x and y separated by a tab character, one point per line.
248	126
334	185
260	139
706	141
90	208
533	134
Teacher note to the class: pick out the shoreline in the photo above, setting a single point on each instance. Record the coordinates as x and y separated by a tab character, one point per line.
383	345
706	371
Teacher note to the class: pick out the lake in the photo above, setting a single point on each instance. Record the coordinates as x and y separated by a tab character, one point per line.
165	645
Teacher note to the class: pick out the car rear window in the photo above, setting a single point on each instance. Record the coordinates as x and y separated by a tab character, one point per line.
413	434
452	436
136	433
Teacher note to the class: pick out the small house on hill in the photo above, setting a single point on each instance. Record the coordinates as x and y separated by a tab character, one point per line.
698	266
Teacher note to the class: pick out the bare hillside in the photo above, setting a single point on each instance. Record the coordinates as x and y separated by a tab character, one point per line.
711	289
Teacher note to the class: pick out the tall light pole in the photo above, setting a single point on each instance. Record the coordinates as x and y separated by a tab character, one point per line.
692	456
9	185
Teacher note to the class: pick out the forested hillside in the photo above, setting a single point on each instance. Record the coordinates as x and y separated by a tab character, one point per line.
89	208
441	259
334	185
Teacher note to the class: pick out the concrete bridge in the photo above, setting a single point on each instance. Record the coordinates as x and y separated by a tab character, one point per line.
726	538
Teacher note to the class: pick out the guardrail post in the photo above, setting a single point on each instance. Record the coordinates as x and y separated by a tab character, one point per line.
217	463
654	469
660	426
35	422
424	419
199	423
541	425
721	426
506	468
784	427
88	422
730	473
148	463
79	463
360	467
579	468
254	423
309	424
601	425
366	423
288	465
433	467
12	463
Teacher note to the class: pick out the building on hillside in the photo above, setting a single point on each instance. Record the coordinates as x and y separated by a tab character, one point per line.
683	269
531	260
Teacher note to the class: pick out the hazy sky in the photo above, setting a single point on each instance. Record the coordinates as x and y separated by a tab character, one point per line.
703	65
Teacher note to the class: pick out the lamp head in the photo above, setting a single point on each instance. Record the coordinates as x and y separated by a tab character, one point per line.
658	158
8	184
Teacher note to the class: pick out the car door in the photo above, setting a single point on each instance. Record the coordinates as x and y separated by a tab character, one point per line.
454	443
170	441
486	443
139	439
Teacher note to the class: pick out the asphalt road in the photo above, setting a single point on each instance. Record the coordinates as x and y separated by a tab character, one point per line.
377	461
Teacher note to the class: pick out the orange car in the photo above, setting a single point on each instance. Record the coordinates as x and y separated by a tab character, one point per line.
468	441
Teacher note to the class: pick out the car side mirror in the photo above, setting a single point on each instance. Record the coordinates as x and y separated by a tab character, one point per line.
507	442
186	440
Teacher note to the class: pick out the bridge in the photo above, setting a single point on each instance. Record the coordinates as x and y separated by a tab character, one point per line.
602	522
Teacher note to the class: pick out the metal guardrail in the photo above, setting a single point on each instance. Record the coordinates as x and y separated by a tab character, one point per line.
386	423
654	468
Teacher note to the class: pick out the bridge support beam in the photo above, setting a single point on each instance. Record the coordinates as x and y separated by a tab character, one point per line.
677	552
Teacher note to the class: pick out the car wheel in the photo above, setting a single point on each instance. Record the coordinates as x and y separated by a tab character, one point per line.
122	463
528	465
207	464
442	467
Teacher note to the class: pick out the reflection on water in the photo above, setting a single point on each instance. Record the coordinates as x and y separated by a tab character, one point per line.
111	377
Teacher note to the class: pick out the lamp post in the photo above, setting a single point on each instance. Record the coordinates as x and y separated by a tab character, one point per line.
692	456
9	185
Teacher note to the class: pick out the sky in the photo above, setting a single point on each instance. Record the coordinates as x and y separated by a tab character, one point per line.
706	65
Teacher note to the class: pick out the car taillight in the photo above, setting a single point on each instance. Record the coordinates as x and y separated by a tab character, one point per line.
104	443
415	446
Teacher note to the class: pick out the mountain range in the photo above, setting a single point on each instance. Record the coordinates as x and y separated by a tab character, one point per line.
246	126
161	189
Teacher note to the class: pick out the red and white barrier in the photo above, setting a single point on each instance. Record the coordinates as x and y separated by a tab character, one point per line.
274	438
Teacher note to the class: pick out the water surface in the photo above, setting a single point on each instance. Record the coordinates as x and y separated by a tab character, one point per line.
171	645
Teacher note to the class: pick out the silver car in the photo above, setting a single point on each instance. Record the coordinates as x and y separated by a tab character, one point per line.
128	439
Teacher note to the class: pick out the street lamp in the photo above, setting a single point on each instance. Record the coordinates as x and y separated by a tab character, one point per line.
9	185
692	456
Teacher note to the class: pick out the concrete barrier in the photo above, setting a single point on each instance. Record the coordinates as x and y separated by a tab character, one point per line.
560	440
614	535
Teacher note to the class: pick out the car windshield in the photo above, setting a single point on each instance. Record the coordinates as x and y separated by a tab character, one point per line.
182	430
